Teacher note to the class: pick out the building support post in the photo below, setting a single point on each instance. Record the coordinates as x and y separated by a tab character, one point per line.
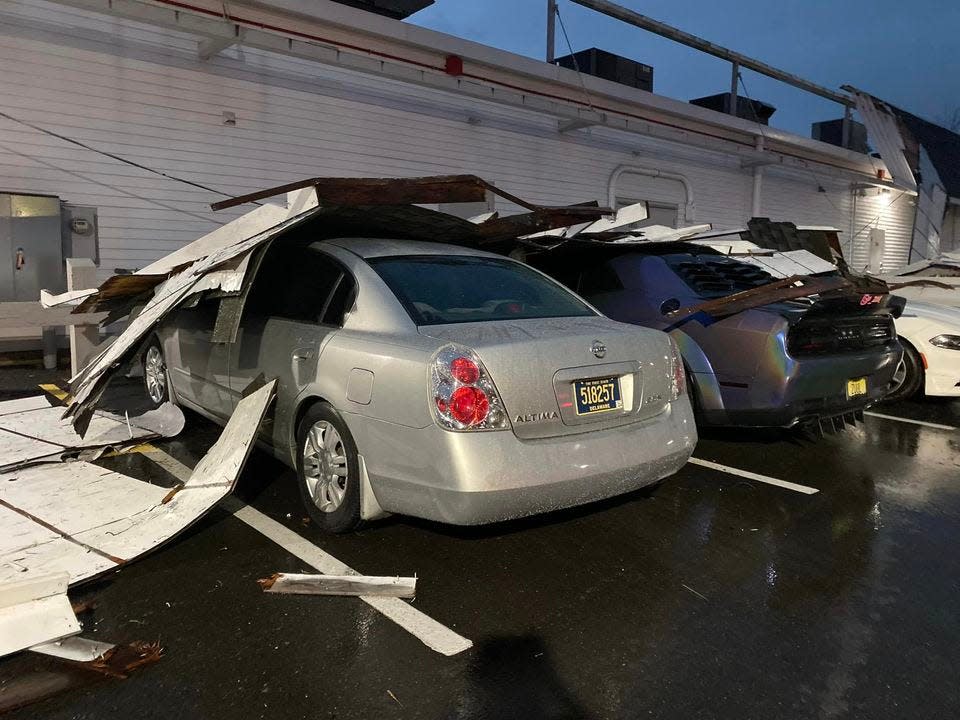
81	274
845	127
734	86
49	335
757	182
551	30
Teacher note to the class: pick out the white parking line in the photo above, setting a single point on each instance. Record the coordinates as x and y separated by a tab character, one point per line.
430	632
754	476
938	426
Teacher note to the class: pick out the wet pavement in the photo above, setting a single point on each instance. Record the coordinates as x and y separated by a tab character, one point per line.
709	596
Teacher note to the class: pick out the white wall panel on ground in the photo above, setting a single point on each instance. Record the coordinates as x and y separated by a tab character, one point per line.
140	92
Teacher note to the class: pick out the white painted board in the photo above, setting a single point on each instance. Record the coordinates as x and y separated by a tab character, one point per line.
35	610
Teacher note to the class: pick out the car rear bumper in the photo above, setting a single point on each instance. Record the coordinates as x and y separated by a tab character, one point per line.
484	477
791	391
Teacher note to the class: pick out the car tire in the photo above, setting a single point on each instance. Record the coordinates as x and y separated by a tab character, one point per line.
910	383
328	470
156	381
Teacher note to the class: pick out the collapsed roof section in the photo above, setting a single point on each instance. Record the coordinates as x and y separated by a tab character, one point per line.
332	208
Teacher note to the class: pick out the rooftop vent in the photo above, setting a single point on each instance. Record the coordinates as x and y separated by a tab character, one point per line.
606	65
831	131
755	110
396	9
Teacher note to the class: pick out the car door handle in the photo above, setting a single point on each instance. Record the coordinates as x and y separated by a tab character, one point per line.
301	355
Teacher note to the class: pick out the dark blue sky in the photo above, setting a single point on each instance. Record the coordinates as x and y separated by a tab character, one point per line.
905	52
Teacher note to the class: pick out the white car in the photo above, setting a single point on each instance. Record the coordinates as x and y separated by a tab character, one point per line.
930	335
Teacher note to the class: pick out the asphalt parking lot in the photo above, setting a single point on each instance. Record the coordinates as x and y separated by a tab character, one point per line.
715	594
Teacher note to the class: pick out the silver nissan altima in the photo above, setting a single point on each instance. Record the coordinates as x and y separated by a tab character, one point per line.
430	380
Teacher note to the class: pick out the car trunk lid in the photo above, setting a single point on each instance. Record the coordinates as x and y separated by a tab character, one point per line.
537	363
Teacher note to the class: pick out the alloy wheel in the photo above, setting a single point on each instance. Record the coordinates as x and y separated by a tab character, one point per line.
325	466
155	374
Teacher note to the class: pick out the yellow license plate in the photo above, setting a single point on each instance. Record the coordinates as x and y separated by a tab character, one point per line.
856	387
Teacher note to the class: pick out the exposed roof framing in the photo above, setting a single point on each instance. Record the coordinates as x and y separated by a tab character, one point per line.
386	191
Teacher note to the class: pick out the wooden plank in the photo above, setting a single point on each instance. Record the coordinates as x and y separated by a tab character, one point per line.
350	585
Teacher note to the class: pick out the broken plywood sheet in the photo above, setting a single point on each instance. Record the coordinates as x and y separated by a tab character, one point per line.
83	520
349	585
32	430
35	610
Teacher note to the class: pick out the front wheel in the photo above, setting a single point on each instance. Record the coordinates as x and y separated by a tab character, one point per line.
155	374
328	470
908	378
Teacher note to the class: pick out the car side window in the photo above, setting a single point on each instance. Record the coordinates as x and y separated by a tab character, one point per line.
597	279
299	283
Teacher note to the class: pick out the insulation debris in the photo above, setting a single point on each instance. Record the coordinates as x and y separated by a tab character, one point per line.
350	585
77	520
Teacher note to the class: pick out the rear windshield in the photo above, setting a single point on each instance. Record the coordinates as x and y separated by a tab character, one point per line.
437	290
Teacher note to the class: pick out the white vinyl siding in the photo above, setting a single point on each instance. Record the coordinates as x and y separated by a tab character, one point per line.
140	92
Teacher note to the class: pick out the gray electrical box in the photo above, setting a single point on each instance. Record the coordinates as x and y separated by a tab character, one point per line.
30	246
37	233
79	232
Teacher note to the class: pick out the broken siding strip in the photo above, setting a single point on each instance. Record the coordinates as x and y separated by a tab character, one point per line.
431	633
351	585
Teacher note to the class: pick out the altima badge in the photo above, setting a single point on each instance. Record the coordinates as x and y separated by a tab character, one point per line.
598	349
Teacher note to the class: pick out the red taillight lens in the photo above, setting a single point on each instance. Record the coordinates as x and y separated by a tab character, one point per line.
465	370
469	405
678	383
464	396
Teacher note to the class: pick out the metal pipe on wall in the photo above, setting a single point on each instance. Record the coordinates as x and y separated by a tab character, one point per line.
551	30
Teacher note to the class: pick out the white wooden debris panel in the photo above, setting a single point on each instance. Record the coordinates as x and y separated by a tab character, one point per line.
77	520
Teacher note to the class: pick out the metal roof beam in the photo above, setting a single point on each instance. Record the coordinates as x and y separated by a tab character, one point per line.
668	31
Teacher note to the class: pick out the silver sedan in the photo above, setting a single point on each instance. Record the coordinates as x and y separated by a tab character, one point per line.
430	380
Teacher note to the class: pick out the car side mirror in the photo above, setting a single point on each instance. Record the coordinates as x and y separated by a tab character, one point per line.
668	306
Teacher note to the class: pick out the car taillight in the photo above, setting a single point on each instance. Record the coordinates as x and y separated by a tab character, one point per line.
464	396
678	381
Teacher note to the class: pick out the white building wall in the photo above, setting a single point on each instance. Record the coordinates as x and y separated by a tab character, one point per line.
141	93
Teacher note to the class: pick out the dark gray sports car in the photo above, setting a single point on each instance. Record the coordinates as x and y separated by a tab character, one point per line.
779	365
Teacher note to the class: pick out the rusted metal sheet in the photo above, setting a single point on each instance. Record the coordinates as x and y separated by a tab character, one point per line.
386	191
791	288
